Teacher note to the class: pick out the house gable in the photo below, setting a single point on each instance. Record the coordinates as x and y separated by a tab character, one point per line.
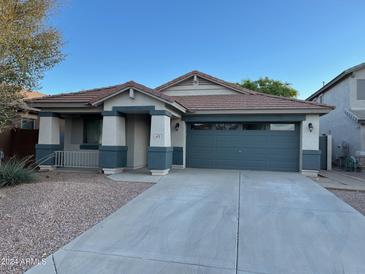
125	99
198	83
197	86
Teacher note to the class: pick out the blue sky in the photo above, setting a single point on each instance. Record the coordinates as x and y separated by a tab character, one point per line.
303	42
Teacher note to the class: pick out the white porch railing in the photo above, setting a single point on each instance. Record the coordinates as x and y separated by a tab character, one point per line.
77	159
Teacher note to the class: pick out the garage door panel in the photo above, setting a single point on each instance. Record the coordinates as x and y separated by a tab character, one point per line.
202	140
197	150
282	142
228	151
227	164
201	163
244	149
253	140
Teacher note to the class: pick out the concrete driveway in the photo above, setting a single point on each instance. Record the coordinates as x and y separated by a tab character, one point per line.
220	221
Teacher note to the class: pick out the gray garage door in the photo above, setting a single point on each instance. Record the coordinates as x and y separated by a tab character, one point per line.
253	146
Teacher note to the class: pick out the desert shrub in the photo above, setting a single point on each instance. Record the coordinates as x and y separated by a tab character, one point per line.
16	171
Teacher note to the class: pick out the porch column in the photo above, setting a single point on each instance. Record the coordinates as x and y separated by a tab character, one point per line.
160	150
48	140
113	151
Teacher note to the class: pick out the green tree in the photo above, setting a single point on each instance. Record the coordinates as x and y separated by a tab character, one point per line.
28	47
270	86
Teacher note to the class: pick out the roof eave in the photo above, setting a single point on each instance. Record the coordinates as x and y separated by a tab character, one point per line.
321	111
172	103
60	104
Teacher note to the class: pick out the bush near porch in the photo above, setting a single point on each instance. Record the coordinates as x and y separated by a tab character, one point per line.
16	171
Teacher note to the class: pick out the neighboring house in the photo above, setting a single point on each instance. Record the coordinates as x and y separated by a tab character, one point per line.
29	116
20	138
195	121
346	123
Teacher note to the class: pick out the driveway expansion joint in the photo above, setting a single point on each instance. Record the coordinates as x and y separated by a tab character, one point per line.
238	218
54	264
144	259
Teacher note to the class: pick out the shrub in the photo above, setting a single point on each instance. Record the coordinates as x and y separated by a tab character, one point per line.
16	171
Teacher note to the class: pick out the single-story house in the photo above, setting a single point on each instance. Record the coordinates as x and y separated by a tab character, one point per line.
195	121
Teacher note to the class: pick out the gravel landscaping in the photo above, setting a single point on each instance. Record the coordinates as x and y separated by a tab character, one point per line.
39	218
356	199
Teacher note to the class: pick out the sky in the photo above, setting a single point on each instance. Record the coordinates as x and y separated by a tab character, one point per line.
302	42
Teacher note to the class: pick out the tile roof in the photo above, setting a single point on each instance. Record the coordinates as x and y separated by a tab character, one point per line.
244	99
93	96
244	102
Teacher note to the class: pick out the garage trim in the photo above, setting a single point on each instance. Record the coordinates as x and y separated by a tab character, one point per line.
246	161
244	118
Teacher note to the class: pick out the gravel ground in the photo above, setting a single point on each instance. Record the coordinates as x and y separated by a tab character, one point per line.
39	218
356	199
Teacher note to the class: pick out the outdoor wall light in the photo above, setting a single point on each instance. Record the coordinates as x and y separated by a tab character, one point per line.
177	126
310	127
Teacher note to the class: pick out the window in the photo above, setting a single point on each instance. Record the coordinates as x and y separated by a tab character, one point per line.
361	89
232	126
256	126
201	126
92	131
227	126
27	124
287	127
320	98
221	126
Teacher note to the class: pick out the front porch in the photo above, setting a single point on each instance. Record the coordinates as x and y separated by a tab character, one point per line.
113	140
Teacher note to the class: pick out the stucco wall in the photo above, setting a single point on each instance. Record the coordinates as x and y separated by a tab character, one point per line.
73	133
142	137
49	130
130	140
310	140
160	131
139	99
354	103
178	137
114	131
138	133
337	123
202	87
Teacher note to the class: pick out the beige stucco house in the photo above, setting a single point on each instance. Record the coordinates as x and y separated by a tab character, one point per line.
195	120
346	123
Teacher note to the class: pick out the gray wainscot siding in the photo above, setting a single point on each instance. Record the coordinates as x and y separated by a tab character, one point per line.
113	156
159	158
44	154
178	156
311	160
